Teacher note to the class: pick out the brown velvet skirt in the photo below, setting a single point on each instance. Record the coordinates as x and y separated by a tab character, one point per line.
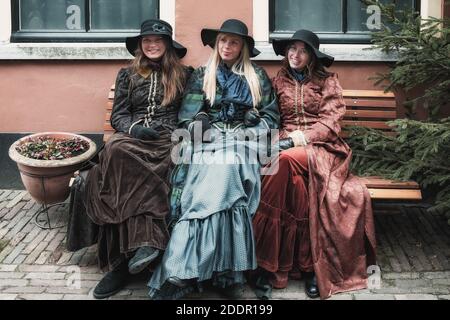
281	228
128	196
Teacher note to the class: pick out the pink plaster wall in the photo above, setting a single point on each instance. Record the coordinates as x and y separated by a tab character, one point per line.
62	95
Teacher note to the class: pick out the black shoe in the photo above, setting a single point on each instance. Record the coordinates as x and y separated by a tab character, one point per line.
180	283
172	287
112	282
141	259
263	287
233	292
311	288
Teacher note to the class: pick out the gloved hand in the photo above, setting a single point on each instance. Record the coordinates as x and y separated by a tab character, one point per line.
285	144
232	111
201	124
298	137
143	133
252	118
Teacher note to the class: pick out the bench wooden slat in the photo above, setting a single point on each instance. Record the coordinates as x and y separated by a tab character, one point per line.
382	183
367	124
395	194
367	93
371	114
346	93
107	135
345	134
370	103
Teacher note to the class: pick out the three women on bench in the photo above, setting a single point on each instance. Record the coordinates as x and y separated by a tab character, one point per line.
312	219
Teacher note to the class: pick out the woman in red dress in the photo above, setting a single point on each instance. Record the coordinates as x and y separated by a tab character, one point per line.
315	218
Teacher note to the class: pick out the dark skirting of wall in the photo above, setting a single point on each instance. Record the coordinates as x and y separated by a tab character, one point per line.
9	174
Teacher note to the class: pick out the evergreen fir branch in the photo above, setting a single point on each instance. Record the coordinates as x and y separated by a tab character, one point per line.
423	50
419	151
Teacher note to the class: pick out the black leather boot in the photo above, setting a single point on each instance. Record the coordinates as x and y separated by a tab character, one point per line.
311	288
172	287
263	287
180	283
233	292
112	282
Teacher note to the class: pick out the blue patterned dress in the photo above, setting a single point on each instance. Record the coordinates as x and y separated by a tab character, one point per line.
212	238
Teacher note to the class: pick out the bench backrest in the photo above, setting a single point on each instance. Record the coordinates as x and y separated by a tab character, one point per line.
108	130
366	108
370	109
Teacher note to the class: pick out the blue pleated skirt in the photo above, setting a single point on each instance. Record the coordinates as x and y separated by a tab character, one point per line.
213	238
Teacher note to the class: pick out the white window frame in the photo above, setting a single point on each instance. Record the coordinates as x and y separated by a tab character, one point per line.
69	51
341	52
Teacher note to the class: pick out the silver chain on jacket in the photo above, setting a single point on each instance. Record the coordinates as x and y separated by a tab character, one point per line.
151	99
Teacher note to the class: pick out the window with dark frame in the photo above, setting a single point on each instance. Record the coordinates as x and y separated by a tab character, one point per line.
79	20
335	21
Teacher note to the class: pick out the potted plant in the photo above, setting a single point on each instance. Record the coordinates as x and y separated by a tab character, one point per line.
48	160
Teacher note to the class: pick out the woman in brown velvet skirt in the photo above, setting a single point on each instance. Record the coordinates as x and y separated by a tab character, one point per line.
315	218
127	192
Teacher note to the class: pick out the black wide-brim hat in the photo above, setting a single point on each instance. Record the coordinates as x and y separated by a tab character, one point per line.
155	27
232	26
308	37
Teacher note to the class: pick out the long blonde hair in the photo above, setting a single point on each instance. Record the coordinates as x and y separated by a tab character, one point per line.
173	73
243	67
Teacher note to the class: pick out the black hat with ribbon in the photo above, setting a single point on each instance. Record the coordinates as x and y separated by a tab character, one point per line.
155	27
308	37
232	26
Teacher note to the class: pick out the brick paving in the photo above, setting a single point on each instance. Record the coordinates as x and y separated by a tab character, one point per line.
413	256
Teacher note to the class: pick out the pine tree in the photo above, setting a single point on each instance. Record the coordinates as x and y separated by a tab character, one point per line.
420	150
423	50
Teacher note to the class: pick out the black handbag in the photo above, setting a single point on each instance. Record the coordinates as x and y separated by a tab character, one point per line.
81	231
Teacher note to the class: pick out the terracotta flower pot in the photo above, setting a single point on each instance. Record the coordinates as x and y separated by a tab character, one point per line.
47	181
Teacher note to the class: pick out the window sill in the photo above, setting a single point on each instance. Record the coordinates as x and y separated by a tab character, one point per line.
64	51
117	51
340	52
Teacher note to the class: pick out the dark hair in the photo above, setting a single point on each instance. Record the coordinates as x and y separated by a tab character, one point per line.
315	68
173	74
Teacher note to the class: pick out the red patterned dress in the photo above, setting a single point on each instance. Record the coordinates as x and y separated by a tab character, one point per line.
314	215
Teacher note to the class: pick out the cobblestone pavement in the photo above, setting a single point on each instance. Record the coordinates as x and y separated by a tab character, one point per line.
413	255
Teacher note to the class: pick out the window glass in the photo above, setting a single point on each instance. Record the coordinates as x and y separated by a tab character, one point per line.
46	15
336	21
366	18
79	20
318	15
121	14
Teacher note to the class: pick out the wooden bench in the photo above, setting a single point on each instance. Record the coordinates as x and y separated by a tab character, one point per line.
108	130
373	109
367	108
